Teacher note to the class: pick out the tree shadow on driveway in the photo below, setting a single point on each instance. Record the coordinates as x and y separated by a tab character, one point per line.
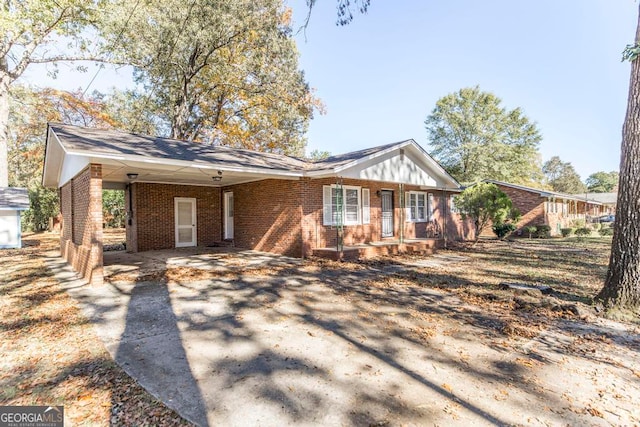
151	350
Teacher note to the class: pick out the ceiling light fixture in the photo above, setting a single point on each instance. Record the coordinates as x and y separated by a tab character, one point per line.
132	176
217	178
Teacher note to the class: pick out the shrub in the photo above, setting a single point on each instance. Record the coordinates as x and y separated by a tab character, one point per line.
583	231
543	232
531	230
596	226
502	230
606	231
566	232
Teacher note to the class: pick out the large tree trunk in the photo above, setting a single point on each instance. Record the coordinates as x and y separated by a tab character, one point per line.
622	285
4	129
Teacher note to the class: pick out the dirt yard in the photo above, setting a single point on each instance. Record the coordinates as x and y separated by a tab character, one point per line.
51	354
395	341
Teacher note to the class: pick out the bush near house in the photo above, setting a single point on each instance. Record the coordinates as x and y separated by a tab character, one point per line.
543	231
531	230
504	229
583	232
566	232
606	231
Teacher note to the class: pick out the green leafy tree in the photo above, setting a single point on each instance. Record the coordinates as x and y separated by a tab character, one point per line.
219	71
316	155
35	32
562	177
602	182
475	138
30	110
485	204
43	205
113	208
622	284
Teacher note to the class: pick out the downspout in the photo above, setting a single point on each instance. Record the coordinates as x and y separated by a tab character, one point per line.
340	225
445	210
402	212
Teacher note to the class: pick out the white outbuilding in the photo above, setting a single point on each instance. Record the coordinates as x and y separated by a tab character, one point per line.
12	202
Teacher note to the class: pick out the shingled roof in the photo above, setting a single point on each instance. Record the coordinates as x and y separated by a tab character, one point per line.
155	159
114	142
353	156
13	198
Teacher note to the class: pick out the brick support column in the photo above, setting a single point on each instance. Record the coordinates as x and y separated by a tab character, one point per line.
81	231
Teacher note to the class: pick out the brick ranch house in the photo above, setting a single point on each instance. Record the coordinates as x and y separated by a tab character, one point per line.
544	207
386	199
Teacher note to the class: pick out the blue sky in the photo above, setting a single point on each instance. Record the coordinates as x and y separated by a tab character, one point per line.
559	60
380	76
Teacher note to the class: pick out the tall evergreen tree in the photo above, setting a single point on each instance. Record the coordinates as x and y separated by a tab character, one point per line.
622	284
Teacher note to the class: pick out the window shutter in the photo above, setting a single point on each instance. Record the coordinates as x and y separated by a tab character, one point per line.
430	206
326	205
366	211
407	207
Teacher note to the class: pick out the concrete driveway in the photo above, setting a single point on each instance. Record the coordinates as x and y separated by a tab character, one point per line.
292	343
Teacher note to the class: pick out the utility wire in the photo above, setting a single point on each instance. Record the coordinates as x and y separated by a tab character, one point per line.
101	67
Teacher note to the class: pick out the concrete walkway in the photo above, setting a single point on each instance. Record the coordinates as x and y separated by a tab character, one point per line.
315	347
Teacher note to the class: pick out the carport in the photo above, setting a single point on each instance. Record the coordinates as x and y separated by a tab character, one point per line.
189	181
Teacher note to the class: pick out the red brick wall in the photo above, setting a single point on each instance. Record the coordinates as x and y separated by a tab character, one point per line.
280	216
81	229
154	215
66	212
268	216
317	235
530	205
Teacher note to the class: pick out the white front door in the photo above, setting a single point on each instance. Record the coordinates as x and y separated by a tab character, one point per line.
185	222
228	215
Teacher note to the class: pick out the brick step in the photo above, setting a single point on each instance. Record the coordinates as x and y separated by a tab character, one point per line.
427	247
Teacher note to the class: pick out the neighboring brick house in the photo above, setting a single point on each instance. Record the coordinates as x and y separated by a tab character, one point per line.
544	207
608	200
384	199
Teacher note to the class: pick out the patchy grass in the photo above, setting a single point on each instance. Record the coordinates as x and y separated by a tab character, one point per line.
574	269
51	355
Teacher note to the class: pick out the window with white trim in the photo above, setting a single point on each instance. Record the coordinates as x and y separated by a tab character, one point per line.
354	202
417	205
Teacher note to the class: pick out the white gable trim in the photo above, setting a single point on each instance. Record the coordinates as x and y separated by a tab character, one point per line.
405	163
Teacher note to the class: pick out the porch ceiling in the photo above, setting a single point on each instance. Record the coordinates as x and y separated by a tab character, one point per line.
114	174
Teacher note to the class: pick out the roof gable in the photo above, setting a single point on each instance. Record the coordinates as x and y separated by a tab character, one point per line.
401	162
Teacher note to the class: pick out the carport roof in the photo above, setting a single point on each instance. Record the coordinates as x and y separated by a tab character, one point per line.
107	141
